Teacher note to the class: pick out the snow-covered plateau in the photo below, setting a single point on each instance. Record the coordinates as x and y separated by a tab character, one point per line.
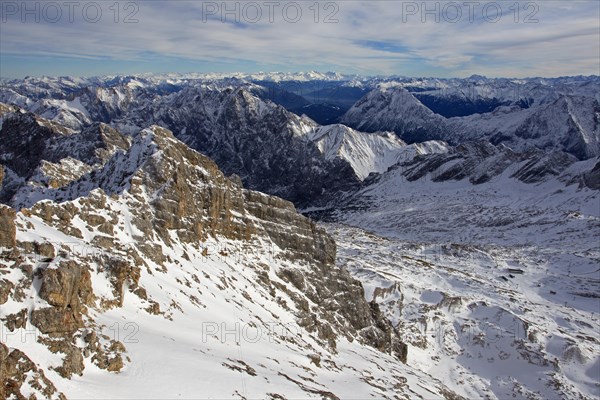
495	287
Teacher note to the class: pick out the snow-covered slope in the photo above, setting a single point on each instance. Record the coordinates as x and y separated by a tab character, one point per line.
488	263
492	321
153	275
478	94
540	116
368	152
393	108
570	123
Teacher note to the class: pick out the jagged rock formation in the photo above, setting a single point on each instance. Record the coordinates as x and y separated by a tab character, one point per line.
37	150
16	369
479	162
561	122
261	143
396	109
66	286
570	123
267	146
147	209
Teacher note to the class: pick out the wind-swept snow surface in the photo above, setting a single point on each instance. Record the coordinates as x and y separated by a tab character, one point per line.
495	286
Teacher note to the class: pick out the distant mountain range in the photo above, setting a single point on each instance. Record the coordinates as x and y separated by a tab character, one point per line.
237	120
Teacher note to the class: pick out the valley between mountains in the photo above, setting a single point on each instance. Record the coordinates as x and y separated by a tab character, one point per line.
289	236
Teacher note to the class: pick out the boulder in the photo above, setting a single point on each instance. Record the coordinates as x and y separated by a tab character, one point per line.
6	288
67	288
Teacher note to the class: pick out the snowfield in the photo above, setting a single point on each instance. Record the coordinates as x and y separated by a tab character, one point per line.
496	287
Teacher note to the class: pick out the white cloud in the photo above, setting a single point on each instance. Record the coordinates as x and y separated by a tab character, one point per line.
565	40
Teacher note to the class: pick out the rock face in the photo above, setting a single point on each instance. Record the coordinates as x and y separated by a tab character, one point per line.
345	309
7	227
480	161
25	138
15	369
64	285
67	288
149	205
191	197
53	320
592	178
259	141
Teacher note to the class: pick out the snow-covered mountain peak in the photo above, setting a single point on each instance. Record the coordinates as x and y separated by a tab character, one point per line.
395	109
367	153
562	116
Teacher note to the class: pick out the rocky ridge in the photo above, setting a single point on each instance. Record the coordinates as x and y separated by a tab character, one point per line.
152	226
556	122
257	140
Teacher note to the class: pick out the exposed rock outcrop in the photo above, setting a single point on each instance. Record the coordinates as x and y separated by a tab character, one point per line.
67	288
169	197
480	162
16	369
592	178
7	227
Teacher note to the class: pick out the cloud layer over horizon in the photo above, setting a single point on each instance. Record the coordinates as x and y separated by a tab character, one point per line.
512	39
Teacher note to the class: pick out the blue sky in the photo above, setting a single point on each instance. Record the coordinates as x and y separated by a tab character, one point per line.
433	38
